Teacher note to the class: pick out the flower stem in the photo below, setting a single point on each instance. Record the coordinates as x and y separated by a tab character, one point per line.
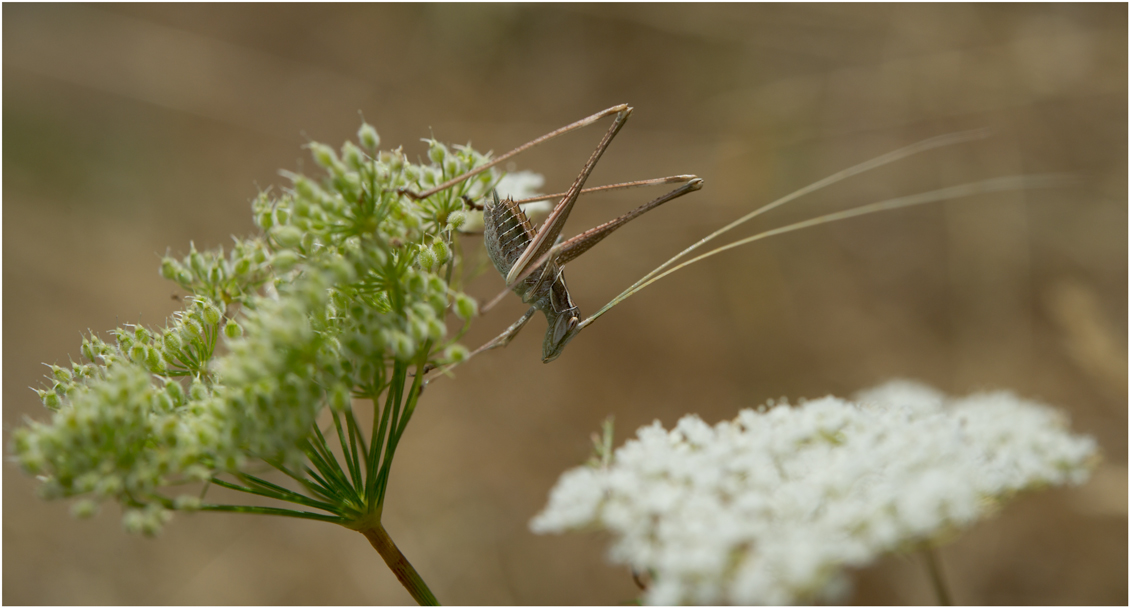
399	565
934	566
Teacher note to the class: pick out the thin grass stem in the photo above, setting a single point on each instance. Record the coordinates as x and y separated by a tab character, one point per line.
937	578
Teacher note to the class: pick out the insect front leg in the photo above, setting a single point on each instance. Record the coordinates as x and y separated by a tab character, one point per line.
506	336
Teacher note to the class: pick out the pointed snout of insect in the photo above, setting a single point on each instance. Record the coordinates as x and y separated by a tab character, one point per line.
558	337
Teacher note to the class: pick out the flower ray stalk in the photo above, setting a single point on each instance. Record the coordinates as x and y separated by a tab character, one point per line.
937	578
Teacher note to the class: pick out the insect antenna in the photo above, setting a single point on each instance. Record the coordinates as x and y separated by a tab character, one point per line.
999	184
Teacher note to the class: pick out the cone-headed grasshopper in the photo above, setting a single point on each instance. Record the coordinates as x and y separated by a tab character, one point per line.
531	260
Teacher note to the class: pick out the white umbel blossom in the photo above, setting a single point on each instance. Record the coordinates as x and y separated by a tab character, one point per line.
520	184
773	506
517	185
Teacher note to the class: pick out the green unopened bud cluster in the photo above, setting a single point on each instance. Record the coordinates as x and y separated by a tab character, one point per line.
349	279
227	279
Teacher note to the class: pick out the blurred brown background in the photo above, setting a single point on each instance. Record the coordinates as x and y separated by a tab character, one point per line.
129	130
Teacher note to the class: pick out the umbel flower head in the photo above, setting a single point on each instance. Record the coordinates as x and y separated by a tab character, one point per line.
349	283
773	506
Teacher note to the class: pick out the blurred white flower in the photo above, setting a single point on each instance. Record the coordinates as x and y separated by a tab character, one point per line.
772	507
517	185
520	184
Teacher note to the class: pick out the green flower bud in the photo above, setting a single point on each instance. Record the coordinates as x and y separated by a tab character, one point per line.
61	374
185	502
153	360
51	399
210	313
287	236
88	349
197	391
402	346
108	486
282	214
84	509
141	333
138	353
165	402
465	306
426	259
172	342
196	263
171	269
456	219
418	328
353	156
285	260
438	287
341	270
198	472
194	327
260	253
242	267
82	371
302	207
340	399
416	282
265	219
368	137
233	330
442	251
456	353
134	521
323	155
437	152
436	329
175	392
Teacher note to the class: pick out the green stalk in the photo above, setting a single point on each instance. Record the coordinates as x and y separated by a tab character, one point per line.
380	427
399	426
333	519
399	565
348	451
263	488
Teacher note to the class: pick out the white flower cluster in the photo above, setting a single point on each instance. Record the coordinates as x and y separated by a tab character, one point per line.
770	508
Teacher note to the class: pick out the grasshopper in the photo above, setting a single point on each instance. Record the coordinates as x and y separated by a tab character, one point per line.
531	260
